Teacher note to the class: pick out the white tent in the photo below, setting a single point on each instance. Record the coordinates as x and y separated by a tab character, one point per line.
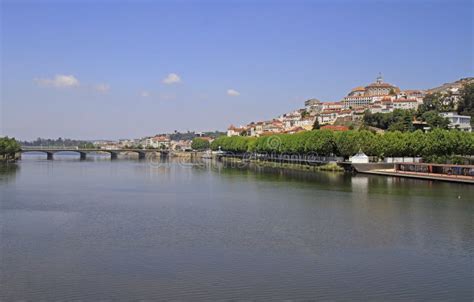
359	158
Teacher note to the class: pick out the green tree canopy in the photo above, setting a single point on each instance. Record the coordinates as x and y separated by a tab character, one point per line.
200	144
434	120
438	142
8	147
466	103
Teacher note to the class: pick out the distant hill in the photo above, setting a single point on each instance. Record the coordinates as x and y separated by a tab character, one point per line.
456	85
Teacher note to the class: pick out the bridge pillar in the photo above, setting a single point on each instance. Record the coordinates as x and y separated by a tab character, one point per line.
49	155
83	155
113	155
141	155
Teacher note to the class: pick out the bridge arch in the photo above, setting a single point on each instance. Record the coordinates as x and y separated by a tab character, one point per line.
50	153
83	152
114	153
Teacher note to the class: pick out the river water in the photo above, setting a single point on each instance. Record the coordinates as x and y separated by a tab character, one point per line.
129	230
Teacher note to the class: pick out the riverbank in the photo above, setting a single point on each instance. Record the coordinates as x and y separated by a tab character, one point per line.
188	155
331	167
420	175
382	169
9	158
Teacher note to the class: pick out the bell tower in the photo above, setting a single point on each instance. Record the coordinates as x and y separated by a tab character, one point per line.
379	78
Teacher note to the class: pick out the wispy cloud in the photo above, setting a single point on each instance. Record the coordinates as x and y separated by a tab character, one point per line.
103	88
171	78
58	81
233	92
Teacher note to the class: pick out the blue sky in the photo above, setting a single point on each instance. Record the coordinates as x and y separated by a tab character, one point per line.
96	69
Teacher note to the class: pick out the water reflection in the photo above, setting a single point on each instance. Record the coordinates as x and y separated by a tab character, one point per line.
8	172
174	230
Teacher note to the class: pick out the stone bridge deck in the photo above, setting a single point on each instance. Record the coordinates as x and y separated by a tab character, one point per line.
50	151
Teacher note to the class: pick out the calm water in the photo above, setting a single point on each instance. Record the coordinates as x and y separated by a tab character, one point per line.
130	229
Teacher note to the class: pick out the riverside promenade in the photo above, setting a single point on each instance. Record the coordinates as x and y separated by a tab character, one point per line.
441	172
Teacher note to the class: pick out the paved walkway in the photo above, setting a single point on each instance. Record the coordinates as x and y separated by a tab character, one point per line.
420	175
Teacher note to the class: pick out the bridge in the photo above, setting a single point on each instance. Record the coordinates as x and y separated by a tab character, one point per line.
50	151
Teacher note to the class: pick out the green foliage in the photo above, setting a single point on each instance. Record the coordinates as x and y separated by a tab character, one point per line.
441	102
466	104
316	124
398	120
434	120
438	142
86	145
59	142
200	144
8	147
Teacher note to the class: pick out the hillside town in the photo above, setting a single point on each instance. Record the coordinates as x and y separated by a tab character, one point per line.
376	97
159	141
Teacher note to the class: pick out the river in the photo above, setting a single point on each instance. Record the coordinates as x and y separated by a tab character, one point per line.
129	230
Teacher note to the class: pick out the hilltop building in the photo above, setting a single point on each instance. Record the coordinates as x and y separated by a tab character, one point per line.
461	122
364	96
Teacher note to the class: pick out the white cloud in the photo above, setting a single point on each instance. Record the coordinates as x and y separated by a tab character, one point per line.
103	88
171	78
233	92
58	81
145	94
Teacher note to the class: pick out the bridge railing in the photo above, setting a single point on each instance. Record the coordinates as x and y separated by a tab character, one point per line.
76	148
49	148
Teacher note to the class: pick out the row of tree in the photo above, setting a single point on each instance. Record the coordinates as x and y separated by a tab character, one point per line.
59	142
347	143
8	148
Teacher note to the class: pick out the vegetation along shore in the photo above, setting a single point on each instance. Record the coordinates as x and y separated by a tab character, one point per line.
9	148
437	146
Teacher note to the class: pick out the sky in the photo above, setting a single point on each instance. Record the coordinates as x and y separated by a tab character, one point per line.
127	69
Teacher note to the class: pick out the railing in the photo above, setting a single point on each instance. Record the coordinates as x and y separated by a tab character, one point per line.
76	148
439	170
53	148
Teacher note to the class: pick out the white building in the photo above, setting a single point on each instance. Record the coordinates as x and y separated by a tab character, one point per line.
357	101
328	117
461	122
313	105
235	131
405	104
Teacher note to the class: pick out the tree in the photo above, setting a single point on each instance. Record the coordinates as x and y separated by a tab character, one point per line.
434	120
438	145
320	142
438	101
8	147
398	120
316	124
466	102
200	144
